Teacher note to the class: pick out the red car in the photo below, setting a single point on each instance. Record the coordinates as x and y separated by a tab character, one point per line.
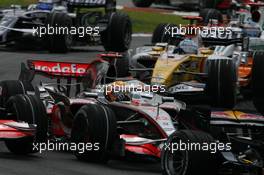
23	117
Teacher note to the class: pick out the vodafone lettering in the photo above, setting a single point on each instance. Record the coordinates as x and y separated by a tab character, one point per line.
72	69
61	68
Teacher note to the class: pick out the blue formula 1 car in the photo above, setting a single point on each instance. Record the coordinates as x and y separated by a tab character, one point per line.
58	25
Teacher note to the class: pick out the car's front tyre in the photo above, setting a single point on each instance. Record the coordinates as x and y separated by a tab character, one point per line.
221	85
258	81
29	109
175	161
94	124
142	3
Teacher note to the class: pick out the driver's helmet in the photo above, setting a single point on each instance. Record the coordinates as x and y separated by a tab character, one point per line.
117	92
188	46
46	4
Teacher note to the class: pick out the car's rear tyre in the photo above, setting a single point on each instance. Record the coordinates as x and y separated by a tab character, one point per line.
187	162
209	14
202	4
207	4
122	66
118	35
221	84
257	81
142	3
29	109
59	42
94	124
118	69
10	88
162	34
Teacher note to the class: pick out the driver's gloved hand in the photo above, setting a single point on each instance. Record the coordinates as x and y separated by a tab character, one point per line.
122	97
178	51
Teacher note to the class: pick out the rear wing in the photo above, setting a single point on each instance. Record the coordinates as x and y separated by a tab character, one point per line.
91	3
87	74
225	37
60	69
82	74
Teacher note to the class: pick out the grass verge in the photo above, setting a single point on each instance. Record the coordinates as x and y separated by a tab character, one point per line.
7	3
146	22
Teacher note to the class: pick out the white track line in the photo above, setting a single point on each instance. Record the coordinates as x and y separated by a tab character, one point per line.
180	13
119	7
142	35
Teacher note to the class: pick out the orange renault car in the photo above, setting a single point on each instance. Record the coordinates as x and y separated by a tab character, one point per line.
221	73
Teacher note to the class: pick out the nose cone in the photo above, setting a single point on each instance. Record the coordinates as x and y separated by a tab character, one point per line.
165	67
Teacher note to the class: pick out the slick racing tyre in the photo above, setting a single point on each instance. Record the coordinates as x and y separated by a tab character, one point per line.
257	81
208	4
162	34
118	69
122	66
142	3
59	42
118	35
209	14
187	161
94	124
221	84
29	109
10	88
202	4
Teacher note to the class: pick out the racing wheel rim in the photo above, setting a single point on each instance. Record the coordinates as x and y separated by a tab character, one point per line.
128	35
176	161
